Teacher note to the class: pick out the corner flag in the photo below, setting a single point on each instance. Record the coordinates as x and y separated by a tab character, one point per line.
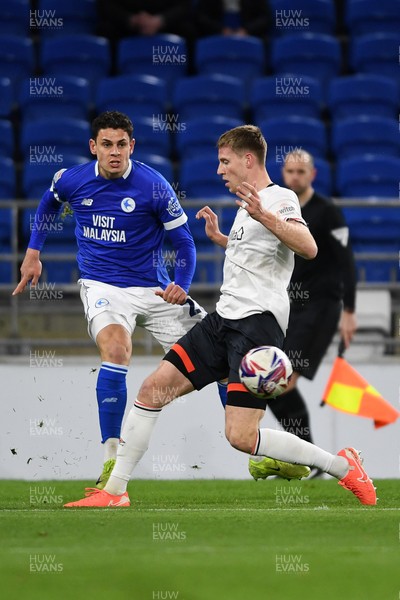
349	392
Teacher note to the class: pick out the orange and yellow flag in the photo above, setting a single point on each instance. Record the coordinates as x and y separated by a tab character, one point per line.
349	392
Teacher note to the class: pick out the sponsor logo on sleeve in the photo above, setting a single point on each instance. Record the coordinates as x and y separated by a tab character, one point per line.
286	210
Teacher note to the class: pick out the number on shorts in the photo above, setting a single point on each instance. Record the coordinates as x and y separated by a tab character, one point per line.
192	309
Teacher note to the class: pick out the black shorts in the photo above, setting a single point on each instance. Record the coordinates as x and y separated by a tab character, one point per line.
213	349
312	326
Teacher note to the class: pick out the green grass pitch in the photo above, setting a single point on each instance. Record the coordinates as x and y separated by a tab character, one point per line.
201	540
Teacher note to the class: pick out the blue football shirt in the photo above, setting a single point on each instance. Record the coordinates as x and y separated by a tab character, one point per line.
120	223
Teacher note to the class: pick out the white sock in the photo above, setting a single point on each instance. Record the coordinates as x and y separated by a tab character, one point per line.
110	448
134	442
290	448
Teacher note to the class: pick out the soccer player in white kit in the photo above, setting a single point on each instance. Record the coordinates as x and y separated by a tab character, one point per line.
253	310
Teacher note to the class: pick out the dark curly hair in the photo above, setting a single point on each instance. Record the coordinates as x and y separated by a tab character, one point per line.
112	119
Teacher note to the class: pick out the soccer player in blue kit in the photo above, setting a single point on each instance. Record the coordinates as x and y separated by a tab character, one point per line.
123	208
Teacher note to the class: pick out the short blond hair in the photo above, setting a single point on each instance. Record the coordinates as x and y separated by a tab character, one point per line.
245	138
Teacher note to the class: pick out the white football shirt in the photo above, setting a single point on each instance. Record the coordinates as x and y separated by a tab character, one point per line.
258	266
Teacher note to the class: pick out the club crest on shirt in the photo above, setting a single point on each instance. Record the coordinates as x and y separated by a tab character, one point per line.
128	205
174	208
101	302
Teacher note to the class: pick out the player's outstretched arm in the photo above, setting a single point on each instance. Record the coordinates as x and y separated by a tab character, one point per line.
31	270
211	228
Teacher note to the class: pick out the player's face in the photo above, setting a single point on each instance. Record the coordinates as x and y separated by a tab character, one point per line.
113	149
298	174
232	168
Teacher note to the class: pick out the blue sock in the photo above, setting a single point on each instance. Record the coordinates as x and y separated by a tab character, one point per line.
111	399
223	392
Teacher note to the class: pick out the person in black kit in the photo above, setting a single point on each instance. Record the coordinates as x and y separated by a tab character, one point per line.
122	18
322	294
218	17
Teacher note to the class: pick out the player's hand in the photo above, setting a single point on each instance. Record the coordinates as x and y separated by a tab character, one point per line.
173	294
31	270
212	228
211	219
249	200
347	327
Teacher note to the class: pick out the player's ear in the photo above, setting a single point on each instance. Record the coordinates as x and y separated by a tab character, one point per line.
132	144
92	146
249	160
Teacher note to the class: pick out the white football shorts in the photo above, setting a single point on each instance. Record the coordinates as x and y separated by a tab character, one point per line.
106	304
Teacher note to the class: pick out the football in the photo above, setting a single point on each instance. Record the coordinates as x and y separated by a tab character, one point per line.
265	371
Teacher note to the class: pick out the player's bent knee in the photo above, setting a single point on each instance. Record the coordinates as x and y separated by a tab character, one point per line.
114	344
241	440
118	354
164	385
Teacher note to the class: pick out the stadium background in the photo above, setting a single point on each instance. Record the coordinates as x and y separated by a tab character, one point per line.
312	82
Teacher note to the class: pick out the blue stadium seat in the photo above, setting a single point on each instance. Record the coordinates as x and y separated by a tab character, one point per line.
54	96
37	178
375	229
363	94
6	97
163	56
285	134
52	138
5	269
199	179
80	55
160	163
152	137
311	54
206	95
200	135
74	17
370	16
230	55
134	95
5	243
365	135
16	57
6	138
209	263
322	184
314	16
15	18
369	175
60	271
376	53
285	95
7	178
7	192
379	270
